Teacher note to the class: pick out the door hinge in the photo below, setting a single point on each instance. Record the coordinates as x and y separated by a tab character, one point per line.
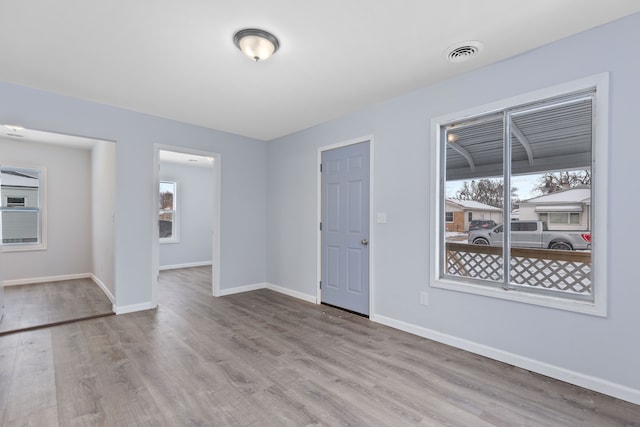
320	167
320	226
320	284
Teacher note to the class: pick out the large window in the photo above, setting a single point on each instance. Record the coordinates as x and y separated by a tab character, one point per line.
22	197
534	160
167	216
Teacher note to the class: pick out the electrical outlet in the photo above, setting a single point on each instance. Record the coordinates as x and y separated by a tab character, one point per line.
424	298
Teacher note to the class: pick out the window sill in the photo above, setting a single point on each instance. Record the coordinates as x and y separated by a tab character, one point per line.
23	248
598	308
163	242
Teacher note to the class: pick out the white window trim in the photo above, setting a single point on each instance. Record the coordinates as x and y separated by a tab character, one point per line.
42	244
600	151
175	237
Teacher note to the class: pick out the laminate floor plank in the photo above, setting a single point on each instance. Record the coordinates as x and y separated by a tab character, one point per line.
32	388
37	304
264	359
8	355
79	389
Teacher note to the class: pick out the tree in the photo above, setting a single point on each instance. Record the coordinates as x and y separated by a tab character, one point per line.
563	180
487	191
166	200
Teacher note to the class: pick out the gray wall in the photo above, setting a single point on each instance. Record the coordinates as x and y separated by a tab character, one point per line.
605	348
68	187
243	233
194	214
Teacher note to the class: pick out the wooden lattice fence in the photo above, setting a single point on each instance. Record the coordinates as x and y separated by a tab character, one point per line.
567	271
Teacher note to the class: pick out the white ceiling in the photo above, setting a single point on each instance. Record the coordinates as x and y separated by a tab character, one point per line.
176	59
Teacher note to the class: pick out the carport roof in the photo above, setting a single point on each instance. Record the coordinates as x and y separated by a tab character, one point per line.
545	137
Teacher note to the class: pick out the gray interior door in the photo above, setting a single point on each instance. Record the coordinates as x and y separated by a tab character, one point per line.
345	227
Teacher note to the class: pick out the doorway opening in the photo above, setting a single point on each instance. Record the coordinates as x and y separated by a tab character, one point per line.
57	204
186	216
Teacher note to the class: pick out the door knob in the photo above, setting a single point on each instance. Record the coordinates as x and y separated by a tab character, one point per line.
364	242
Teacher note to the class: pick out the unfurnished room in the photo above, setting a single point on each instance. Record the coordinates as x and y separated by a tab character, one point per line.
337	213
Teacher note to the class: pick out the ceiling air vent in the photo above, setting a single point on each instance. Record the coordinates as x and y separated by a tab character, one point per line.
462	51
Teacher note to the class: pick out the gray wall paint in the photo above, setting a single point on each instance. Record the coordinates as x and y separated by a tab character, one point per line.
243	226
103	193
68	187
607	348
1	281
194	213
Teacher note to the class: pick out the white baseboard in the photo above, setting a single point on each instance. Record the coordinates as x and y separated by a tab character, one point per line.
124	309
305	297
241	289
59	278
104	288
186	265
592	383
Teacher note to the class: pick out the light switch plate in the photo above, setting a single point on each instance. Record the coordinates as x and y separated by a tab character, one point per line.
381	218
424	298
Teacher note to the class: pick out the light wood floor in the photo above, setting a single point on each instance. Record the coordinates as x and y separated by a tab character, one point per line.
264	359
28	306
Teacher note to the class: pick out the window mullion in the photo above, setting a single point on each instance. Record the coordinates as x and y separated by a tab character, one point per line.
506	205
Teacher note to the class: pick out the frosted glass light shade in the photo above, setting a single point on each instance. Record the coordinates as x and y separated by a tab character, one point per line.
256	44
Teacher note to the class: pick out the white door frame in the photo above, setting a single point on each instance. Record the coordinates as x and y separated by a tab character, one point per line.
155	244
372	240
1	269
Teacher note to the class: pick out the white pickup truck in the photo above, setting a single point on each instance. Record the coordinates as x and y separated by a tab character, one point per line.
533	234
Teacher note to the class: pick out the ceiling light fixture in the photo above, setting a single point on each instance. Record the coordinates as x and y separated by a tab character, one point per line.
256	44
14	128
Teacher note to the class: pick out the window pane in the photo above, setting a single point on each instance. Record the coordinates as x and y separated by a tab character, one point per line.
167	210
166	225
574	218
558	218
20	195
167	191
19	227
473	188
556	138
16	202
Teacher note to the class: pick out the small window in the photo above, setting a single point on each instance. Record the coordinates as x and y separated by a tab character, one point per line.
449	216
22	195
564	218
16	202
167	215
470	217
